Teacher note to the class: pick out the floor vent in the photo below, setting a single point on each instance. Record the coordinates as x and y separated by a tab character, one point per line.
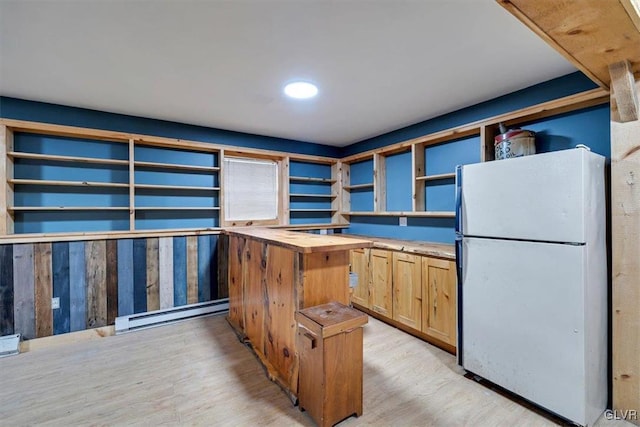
9	345
136	322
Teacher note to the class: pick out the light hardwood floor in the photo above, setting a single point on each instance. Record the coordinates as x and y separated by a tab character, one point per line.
198	373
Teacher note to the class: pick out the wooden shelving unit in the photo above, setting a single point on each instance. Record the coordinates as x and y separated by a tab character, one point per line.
315	193
336	201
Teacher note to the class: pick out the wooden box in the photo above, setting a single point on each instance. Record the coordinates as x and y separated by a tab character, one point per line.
330	351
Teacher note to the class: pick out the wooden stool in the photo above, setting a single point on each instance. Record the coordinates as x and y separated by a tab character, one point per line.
330	350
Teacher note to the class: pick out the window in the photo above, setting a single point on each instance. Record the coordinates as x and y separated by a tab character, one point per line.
250	189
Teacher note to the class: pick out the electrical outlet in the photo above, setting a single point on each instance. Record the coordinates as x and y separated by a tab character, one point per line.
403	221
55	303
323	231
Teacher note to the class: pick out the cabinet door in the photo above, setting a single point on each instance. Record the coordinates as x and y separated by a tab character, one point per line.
359	259
439	299
407	289
380	277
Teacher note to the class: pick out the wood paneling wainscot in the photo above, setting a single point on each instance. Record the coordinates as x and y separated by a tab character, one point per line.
99	280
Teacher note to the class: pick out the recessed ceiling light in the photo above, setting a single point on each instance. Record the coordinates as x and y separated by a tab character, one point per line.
301	90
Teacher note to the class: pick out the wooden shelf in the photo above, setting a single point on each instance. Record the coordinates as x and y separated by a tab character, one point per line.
425	214
313	196
67	183
358	186
175	187
177	208
157	165
436	177
68	208
310	179
312	210
56	158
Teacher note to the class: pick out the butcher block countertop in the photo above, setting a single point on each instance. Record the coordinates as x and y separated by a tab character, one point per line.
438	250
301	242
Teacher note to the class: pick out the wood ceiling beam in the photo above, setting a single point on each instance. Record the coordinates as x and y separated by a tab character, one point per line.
591	34
624	93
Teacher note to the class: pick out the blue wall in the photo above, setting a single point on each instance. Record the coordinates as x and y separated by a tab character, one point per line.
309	195
588	126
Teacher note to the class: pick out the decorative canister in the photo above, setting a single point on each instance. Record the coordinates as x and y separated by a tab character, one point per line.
515	143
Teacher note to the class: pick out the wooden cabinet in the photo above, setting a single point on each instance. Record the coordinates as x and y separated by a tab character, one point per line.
359	260
407	289
381	282
439	299
414	292
330	348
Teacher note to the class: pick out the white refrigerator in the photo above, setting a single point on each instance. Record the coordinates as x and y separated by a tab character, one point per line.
532	278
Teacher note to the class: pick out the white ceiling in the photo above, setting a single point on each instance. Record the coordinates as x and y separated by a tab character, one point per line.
380	64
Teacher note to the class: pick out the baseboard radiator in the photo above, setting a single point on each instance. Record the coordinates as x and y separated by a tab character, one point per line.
9	345
136	322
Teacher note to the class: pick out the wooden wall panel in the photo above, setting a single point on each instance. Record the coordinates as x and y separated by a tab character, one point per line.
6	290
96	281
125	277
223	266
77	287
236	273
24	304
60	267
192	269
625	247
43	288
153	286
165	271
213	268
139	275
280	304
112	281
96	263
204	269
255	298
179	271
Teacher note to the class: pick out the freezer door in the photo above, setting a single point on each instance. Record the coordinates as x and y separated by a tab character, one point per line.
522	320
555	197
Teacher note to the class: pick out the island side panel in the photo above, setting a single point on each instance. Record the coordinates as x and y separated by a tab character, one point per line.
280	343
325	278
255	300
236	282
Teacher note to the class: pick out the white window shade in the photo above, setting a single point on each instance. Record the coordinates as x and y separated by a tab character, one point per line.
250	189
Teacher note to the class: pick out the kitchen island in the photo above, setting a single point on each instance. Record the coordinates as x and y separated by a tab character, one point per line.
273	273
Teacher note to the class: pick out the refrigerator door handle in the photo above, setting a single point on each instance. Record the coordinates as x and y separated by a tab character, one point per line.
459	268
458	199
